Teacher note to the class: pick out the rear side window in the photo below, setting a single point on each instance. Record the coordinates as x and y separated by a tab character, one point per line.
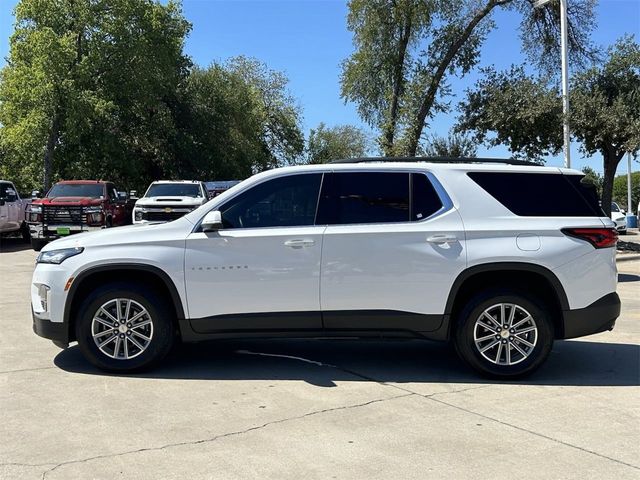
424	199
368	197
541	194
376	197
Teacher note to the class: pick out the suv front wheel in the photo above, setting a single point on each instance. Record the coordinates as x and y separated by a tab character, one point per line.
504	333
124	327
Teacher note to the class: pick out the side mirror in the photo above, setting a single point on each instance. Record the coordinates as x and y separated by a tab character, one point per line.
212	221
122	196
35	194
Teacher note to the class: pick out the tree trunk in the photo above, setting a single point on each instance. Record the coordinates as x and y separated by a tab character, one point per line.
611	161
389	128
48	152
429	98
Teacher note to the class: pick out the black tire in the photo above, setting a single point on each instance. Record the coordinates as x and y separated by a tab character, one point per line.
522	365
37	244
162	334
24	230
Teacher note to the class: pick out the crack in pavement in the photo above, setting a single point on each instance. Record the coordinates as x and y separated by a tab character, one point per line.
221	436
537	434
27	369
433	395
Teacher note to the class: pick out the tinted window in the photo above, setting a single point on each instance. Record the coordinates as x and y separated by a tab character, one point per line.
425	200
368	197
174	190
541	194
93	190
281	202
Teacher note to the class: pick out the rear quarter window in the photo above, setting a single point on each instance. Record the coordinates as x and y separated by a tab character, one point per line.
541	194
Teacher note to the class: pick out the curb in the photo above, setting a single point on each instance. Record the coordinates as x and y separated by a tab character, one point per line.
627	258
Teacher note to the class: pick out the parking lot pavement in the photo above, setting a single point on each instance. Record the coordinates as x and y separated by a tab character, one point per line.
315	409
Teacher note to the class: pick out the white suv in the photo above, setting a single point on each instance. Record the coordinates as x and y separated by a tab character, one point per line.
443	251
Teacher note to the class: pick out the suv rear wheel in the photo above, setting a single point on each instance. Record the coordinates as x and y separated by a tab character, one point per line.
124	327
504	333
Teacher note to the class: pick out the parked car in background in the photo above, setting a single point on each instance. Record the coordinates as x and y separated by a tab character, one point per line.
216	188
167	200
12	210
619	217
74	206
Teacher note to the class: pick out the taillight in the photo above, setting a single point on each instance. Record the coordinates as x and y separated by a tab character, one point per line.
598	237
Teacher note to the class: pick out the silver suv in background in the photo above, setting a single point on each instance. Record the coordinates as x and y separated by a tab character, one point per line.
167	200
12	210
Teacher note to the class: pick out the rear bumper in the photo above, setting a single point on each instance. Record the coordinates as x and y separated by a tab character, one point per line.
598	317
56	331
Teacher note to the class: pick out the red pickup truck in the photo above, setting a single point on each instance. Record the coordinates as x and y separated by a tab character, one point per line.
74	206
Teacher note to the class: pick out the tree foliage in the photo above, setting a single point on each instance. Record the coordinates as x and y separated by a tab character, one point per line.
524	112
237	119
405	51
332	143
454	145
102	89
620	192
89	86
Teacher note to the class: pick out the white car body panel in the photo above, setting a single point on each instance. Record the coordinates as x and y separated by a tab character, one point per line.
392	266
348	267
253	270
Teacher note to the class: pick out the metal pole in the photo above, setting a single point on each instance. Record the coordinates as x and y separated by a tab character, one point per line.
629	206
565	83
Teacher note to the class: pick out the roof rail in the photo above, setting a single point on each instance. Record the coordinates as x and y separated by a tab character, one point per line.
505	161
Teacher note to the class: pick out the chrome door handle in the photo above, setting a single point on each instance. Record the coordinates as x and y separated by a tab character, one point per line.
299	243
440	239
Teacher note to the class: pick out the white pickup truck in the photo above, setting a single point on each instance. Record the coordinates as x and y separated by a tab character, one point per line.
12	210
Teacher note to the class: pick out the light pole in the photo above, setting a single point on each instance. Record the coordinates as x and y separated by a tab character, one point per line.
565	77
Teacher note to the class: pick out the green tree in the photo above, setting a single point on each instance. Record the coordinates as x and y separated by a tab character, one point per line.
454	145
88	88
405	50
331	143
620	191
235	119
605	112
524	112
594	178
277	110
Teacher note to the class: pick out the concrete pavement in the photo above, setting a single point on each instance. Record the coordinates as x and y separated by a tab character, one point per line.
315	409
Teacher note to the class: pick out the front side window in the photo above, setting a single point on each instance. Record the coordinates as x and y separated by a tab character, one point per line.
282	202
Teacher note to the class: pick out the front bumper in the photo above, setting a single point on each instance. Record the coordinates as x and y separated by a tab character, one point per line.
598	317
50	233
56	331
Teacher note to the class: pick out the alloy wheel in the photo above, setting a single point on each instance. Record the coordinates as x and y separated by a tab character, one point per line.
122	328
505	334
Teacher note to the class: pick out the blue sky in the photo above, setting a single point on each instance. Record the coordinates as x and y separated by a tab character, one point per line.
307	39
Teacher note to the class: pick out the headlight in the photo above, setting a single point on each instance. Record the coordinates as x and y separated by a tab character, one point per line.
93	210
35	208
58	256
138	213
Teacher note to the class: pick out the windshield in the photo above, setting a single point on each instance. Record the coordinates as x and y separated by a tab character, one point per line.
93	190
174	190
